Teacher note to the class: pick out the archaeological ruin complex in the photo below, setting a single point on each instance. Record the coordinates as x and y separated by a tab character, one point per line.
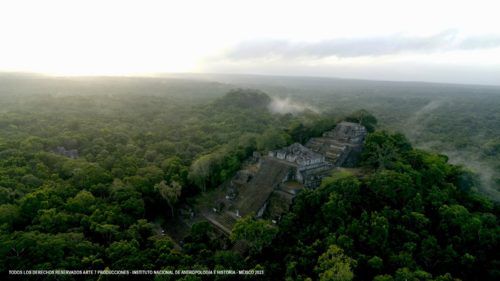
268	186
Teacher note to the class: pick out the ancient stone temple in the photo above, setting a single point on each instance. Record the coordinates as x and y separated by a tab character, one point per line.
342	145
298	154
306	163
348	132
338	147
267	186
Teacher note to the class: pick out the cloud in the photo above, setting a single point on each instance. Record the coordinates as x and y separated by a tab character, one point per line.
285	105
358	47
480	42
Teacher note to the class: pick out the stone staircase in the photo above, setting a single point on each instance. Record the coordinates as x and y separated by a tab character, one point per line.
332	149
256	192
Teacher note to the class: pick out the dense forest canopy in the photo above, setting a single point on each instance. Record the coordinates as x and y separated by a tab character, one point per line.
88	179
412	216
461	121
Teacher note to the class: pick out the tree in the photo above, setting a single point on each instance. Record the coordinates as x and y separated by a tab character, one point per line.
271	139
125	254
141	231
174	169
170	193
383	150
245	98
52	221
384	277
228	259
364	118
376	263
32	202
9	214
258	233
299	132
199	172
392	187
334	265
83	203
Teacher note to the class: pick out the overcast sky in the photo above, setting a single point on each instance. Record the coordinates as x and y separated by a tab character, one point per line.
440	41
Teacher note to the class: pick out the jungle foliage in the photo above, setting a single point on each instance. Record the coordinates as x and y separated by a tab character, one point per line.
411	216
88	181
89	178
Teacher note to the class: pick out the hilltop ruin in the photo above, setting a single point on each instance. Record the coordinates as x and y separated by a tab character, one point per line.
269	184
342	145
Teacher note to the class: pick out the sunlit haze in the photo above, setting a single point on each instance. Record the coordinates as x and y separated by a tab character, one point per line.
439	41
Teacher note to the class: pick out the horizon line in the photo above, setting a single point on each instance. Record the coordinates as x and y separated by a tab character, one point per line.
159	75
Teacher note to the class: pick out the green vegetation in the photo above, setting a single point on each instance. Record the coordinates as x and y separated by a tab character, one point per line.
460	121
87	181
412	216
258	233
89	178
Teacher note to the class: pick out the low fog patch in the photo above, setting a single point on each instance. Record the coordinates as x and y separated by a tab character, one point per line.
286	105
470	161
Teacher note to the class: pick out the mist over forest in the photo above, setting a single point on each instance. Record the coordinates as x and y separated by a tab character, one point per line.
318	140
128	172
460	121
